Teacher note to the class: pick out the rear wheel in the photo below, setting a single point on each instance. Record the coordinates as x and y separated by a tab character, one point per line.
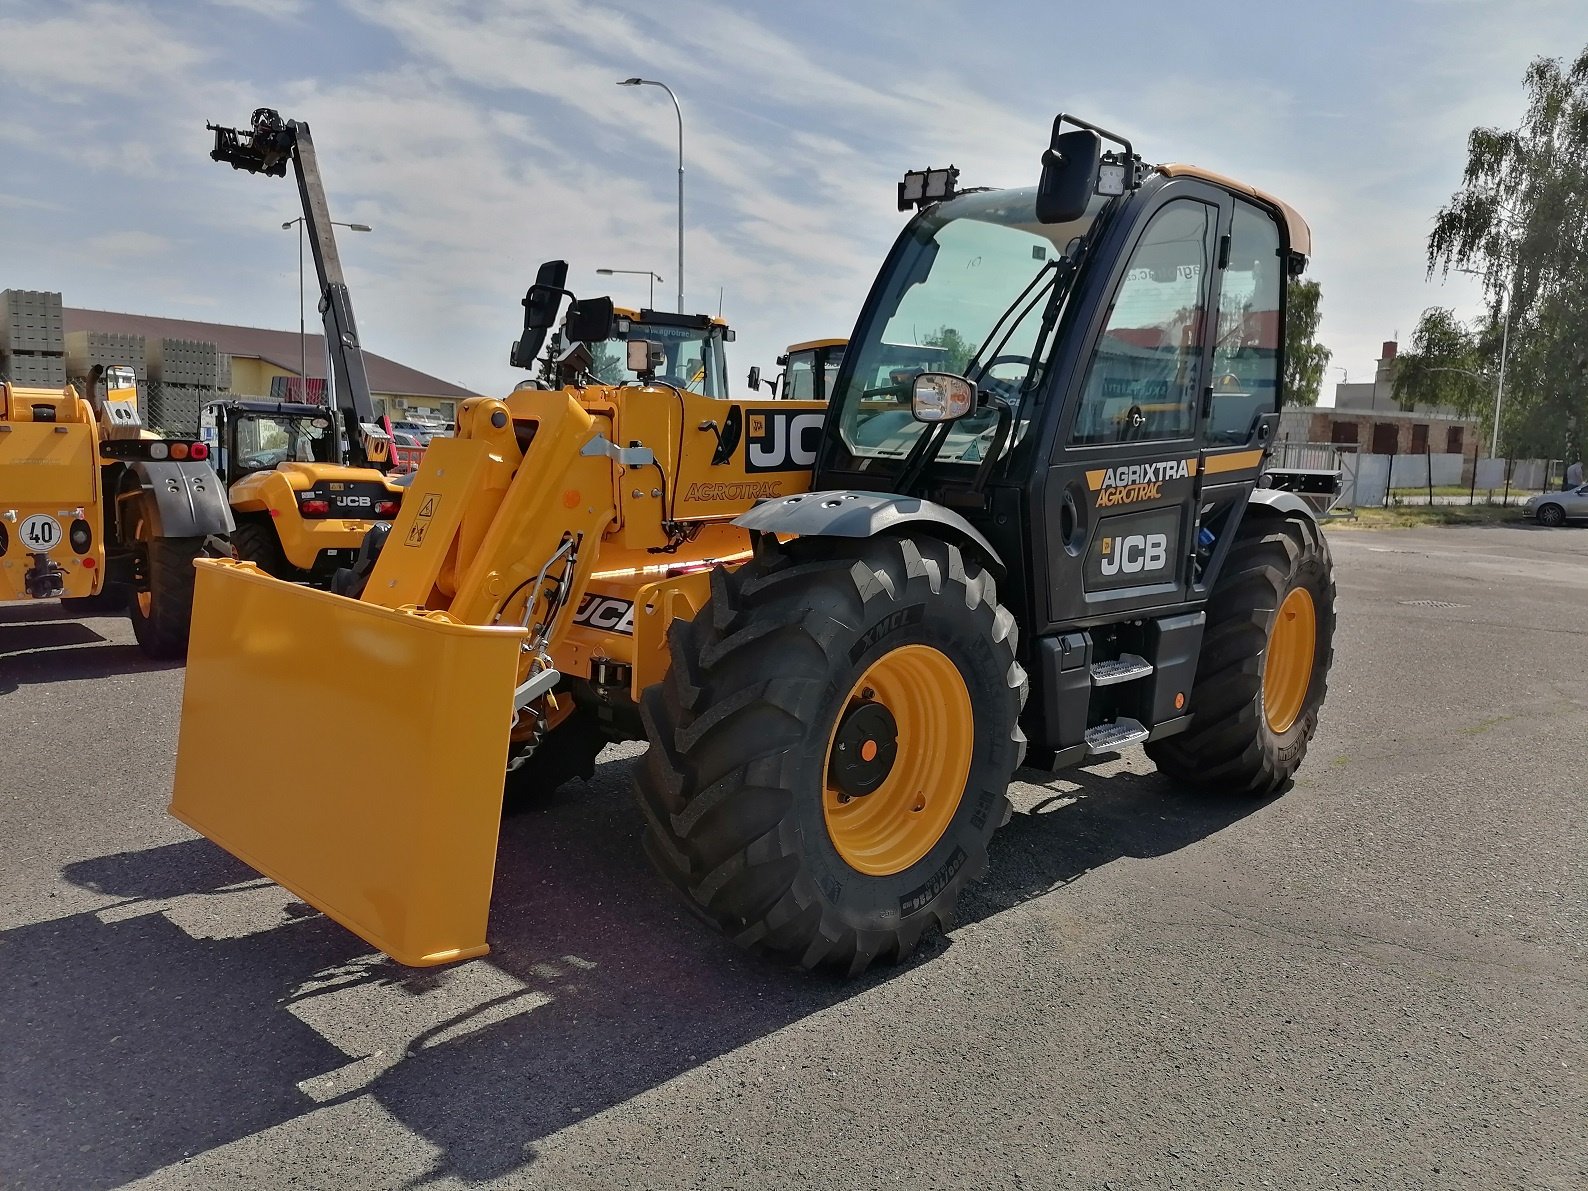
256	542
832	747
1551	515
160	603
1264	666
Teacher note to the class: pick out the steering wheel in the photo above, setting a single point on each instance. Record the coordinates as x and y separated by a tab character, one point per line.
673	379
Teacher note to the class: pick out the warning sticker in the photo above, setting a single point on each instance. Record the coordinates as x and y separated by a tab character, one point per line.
421	525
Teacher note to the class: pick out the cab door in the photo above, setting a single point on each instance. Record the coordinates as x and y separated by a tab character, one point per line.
1121	492
1240	408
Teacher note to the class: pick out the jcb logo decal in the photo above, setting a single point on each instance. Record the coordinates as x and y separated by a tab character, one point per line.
607	613
1134	553
779	441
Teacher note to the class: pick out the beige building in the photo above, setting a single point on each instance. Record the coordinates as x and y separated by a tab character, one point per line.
1366	416
258	356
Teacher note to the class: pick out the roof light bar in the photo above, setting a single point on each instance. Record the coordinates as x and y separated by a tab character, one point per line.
921	187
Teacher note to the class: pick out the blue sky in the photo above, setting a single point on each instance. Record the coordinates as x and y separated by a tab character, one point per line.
480	137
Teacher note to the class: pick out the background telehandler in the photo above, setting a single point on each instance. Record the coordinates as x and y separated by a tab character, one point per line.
98	513
841	627
305	483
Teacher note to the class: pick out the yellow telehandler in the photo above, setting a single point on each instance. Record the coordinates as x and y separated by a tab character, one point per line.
841	627
305	483
100	514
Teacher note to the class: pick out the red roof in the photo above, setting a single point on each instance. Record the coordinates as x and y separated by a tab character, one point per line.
280	348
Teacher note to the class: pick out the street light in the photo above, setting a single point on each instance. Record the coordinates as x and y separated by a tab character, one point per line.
303	340
639	82
655	277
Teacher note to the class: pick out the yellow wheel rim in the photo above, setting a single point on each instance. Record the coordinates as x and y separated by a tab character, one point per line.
145	603
889	829
1287	669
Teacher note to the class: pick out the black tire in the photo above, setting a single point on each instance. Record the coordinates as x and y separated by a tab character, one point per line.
1230	748
1551	515
733	784
162	627
256	542
567	752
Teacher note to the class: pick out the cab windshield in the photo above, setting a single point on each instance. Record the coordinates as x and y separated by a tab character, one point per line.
265	442
965	295
696	360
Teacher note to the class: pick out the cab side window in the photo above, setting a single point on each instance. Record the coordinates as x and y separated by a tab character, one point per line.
1246	349
1145	374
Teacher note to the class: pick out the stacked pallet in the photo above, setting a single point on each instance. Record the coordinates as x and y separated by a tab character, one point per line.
32	337
87	350
183	376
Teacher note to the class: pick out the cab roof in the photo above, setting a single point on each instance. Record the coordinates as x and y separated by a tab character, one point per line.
813	344
666	318
1296	229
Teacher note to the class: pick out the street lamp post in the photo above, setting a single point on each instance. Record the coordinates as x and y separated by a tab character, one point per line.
1499	388
303	338
655	277
639	82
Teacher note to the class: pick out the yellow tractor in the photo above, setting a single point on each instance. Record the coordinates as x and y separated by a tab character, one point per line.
841	627
305	483
96	512
809	371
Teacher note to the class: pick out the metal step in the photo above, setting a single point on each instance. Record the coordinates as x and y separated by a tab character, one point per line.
1121	669
1105	738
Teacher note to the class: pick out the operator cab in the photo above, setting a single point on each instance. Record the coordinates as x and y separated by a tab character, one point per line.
692	346
254	436
1115	335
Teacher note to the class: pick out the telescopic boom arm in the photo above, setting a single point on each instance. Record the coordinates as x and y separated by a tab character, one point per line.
265	149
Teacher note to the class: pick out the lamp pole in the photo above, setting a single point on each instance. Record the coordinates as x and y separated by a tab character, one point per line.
303	338
655	277
1499	388
679	112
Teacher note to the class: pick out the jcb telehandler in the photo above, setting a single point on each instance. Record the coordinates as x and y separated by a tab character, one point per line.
841	628
305	484
98	513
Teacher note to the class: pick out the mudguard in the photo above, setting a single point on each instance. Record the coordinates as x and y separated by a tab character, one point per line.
1281	502
189	498
843	513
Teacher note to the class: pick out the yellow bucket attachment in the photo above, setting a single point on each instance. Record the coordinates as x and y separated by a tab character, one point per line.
352	753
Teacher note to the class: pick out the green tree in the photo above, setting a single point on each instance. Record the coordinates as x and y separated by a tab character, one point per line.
611	366
1305	358
958	349
1520	220
1445	365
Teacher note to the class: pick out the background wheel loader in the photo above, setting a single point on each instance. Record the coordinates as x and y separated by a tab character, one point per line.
841	627
98	514
305	484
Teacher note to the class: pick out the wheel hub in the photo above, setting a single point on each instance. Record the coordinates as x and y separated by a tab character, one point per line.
864	749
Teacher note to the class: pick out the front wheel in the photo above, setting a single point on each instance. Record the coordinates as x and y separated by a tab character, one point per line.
1264	665
832	747
1552	516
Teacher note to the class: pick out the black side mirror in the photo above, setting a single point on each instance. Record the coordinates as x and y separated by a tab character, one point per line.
755	377
540	312
589	321
1069	176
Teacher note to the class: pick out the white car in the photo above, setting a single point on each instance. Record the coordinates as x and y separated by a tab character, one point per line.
1557	508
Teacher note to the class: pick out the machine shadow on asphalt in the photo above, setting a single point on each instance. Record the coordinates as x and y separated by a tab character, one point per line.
45	643
204	1004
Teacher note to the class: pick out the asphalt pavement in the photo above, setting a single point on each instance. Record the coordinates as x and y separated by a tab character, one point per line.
1374	980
